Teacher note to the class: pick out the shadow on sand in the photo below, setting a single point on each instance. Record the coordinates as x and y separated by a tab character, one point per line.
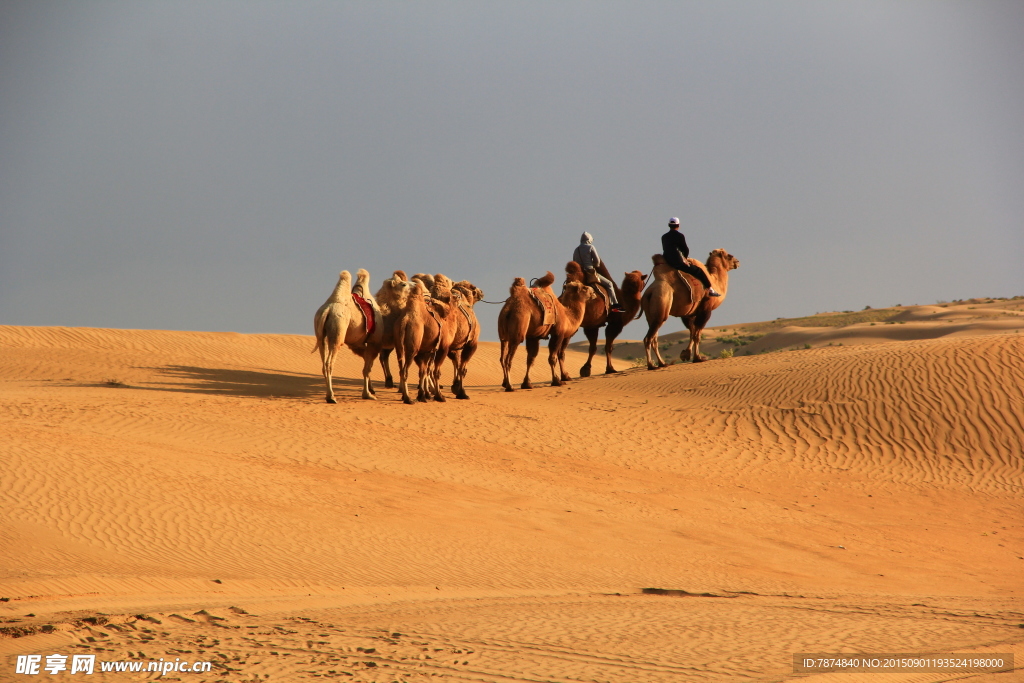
252	383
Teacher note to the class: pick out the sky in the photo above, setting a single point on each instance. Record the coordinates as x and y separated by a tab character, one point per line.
213	166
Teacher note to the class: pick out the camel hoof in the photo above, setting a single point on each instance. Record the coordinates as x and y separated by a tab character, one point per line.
462	397
585	371
369	397
407	401
509	389
611	371
527	386
388	384
440	399
330	399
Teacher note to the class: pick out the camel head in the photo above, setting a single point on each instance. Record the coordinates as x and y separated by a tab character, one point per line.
633	283
470	292
573	272
394	291
576	292
720	258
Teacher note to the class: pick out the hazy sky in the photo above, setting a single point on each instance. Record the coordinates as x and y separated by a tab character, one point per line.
212	166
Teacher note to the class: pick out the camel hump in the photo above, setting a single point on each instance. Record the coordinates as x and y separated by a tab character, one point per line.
545	280
658	259
399	276
517	284
342	289
574	271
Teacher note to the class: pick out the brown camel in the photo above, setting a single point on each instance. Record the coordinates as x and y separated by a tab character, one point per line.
391	297
521	318
682	295
467	335
340	320
598	314
385	354
423	335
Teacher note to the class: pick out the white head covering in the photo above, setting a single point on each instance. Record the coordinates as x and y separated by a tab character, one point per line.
586	238
673	221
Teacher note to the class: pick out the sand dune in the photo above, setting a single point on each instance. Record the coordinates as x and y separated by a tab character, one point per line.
192	495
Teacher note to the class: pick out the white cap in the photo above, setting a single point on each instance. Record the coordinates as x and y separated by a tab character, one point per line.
673	221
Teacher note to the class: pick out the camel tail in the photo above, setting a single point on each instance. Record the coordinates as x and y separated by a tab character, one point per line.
318	327
546	280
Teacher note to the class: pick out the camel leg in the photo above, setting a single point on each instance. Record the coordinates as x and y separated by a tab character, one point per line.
686	354
389	381
591	333
508	352
422	393
611	332
456	358
656	317
436	364
327	358
696	330
403	374
532	349
368	358
555	356
651	348
464	357
561	359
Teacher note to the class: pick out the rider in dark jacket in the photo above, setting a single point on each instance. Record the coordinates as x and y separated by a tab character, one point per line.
676	253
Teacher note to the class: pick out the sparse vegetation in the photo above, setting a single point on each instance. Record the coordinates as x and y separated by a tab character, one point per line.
739	339
725	353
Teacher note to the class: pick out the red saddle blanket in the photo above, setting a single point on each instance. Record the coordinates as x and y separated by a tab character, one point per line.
367	310
544	301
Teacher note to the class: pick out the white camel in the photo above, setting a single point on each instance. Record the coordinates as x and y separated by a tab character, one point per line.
342	321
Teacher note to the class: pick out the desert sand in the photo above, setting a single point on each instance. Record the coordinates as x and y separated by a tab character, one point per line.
190	495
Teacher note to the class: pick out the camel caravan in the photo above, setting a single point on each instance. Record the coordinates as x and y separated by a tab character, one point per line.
427	318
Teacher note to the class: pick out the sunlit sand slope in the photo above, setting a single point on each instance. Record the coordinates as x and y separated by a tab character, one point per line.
833	498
